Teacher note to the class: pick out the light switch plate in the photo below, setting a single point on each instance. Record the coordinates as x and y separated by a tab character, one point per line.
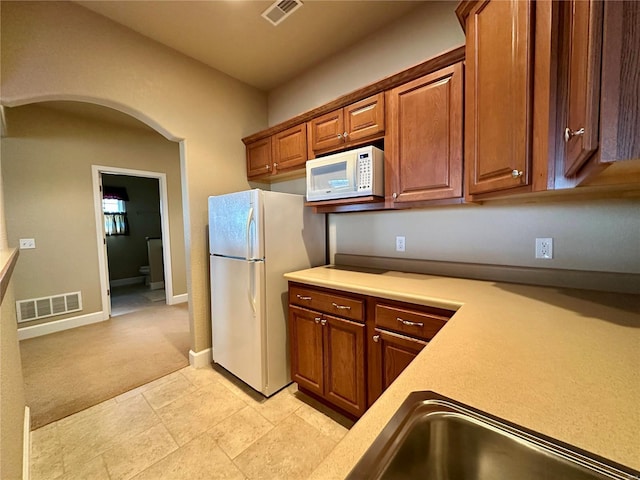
26	243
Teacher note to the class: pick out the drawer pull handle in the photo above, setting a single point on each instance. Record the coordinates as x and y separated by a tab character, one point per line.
410	324
341	307
302	297
376	338
317	319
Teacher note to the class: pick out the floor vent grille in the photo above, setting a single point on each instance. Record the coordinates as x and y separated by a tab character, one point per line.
37	308
280	10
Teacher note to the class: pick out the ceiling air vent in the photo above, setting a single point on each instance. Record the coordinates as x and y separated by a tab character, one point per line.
280	10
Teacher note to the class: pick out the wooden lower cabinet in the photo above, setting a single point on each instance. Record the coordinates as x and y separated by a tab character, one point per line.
327	358
396	352
307	357
346	348
344	369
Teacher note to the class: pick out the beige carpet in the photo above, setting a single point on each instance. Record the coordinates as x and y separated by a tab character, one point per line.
69	371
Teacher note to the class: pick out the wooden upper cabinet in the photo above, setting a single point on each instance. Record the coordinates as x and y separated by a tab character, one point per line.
290	149
423	147
364	118
498	94
326	130
340	128
281	152
584	22
620	116
259	158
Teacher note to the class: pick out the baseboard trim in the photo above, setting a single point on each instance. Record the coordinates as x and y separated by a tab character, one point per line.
26	444
60	325
550	277
200	359
126	281
182	298
156	285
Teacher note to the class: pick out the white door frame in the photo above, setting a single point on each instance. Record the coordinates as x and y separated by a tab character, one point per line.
96	172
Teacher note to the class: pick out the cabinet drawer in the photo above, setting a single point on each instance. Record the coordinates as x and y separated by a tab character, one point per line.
411	322
327	302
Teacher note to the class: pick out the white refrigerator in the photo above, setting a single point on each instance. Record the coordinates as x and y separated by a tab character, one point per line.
256	236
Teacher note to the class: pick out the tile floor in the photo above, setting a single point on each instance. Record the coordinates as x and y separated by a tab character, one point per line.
191	424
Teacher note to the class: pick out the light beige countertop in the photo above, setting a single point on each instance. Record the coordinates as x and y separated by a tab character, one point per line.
564	363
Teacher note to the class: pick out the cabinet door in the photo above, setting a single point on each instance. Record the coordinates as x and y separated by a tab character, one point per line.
305	337
498	95
327	130
344	368
583	95
397	351
424	149
364	118
259	158
290	148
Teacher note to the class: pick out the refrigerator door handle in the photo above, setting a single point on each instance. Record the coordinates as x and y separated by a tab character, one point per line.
249	221
252	287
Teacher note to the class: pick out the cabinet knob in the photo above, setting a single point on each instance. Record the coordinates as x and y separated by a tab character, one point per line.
568	133
267	167
516	173
323	321
275	164
395	195
345	134
317	319
376	338
339	135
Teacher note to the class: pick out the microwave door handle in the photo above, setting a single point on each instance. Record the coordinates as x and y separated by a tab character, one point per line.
248	232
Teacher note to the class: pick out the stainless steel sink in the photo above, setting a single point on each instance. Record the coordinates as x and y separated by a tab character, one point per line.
436	438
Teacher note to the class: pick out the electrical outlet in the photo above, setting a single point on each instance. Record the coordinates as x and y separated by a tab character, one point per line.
400	244
544	248
26	243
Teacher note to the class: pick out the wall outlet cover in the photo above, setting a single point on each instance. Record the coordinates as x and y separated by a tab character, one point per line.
544	248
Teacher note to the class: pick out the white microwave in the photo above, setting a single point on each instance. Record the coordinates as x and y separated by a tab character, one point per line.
354	173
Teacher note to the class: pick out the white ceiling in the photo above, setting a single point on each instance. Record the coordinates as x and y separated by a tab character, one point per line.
232	36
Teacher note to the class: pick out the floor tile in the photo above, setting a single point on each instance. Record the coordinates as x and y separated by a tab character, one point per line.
163	394
46	453
240	430
87	412
322	422
135	454
193	414
89	437
278	407
200	376
200	459
94	469
290	451
147	386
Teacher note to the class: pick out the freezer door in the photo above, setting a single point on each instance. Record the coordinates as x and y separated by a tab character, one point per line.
237	317
235	225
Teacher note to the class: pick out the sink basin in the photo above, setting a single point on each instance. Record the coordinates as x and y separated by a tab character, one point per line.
433	437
